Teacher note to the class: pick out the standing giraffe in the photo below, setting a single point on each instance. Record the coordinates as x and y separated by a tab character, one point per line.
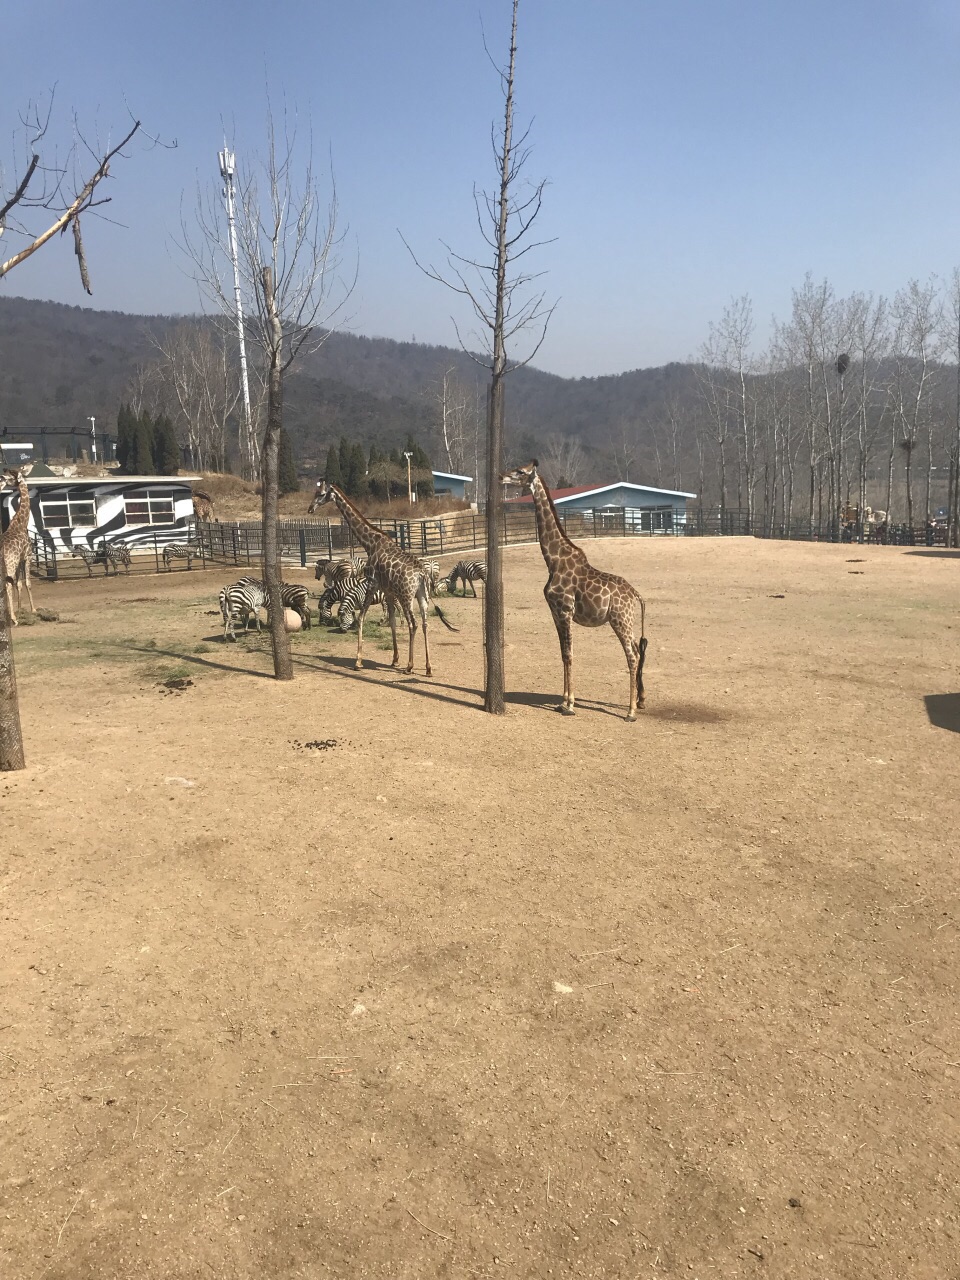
15	548
399	575
202	506
576	592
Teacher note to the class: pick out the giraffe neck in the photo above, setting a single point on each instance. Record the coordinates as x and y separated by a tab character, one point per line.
17	530
370	539
554	543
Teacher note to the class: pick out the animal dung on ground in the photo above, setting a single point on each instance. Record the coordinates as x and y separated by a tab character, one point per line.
48	615
318	744
778	597
176	684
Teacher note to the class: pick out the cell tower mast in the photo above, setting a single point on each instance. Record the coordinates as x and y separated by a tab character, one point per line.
228	165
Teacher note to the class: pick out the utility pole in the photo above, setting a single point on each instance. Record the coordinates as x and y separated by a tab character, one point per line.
408	456
93	439
228	165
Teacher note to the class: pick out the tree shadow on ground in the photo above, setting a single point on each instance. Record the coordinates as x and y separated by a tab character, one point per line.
150	651
937	553
943	710
421	686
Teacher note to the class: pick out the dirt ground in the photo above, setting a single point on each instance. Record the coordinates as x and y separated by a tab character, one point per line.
344	978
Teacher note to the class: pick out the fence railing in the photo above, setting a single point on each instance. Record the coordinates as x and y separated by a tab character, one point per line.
305	541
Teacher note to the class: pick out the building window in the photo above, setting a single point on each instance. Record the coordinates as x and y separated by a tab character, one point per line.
68	513
153	506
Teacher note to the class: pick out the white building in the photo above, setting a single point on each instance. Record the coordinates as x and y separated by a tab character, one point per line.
146	510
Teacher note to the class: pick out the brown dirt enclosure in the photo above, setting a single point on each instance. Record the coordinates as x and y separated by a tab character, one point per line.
344	978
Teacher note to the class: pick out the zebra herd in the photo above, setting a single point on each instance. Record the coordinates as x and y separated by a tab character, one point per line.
107	554
243	601
345	586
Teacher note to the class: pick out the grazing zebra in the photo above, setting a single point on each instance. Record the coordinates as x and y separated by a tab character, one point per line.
292	596
433	573
360	594
113	553
180	551
467	571
239	602
330	571
87	555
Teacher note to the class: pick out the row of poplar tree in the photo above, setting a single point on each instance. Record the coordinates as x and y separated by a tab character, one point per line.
376	474
147	446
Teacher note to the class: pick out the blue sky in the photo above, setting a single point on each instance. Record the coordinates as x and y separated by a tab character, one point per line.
695	150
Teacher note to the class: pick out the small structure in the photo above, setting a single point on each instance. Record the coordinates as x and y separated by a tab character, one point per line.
613	504
447	485
13	454
130	510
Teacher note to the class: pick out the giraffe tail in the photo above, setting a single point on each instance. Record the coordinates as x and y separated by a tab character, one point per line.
641	647
443	618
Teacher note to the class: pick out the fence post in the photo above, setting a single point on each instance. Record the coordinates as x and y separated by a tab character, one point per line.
156	552
303	549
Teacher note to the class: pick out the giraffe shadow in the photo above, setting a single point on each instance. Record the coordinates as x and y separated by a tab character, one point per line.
551	702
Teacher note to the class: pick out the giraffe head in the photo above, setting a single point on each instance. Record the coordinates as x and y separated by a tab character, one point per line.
523	476
323	495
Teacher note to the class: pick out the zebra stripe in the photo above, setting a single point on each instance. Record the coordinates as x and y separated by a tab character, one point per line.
292	596
180	551
87	555
113	553
467	571
360	595
239	602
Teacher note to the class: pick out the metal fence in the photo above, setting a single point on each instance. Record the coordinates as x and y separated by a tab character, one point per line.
305	541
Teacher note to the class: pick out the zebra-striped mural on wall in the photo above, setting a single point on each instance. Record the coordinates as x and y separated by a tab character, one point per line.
85	512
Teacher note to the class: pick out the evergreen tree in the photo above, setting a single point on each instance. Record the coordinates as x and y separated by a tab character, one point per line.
166	451
333	473
344	458
377	475
288	480
140	457
355	484
126	426
421	464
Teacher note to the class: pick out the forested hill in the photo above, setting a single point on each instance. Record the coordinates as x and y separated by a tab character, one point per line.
59	365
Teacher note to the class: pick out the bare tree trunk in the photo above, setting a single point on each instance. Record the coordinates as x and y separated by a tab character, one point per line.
493	700
270	477
11	737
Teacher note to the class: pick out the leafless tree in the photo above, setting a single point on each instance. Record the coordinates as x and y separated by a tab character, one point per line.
454	406
43	198
563	459
290	267
917	337
195	362
506	302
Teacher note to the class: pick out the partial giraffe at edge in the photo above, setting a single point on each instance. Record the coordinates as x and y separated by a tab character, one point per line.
577	592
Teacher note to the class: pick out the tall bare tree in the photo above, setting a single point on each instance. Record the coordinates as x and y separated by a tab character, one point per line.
195	362
918	323
288	250
44	198
563	458
506	302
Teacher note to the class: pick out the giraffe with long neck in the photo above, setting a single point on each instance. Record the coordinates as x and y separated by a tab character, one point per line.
577	592
399	575
15	547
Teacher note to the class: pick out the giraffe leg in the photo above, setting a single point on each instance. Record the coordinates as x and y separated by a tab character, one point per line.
564	625
8	592
392	617
632	653
26	582
412	628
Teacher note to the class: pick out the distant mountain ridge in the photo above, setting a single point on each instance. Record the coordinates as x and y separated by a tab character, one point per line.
60	365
